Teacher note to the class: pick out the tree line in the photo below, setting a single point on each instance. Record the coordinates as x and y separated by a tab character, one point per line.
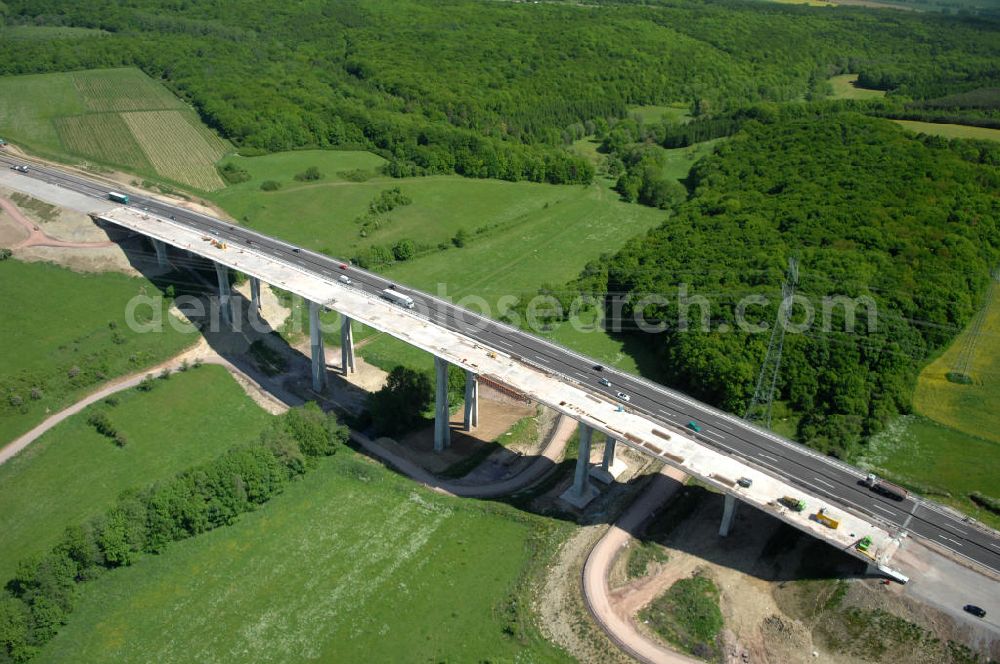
41	596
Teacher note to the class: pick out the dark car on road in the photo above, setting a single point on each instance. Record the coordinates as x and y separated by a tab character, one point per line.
974	610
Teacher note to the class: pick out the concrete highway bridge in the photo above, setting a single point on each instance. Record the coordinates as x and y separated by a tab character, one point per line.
653	422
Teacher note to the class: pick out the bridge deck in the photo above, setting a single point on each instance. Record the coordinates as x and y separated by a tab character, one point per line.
673	446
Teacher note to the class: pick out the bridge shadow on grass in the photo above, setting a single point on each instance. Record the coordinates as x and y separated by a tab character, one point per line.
759	544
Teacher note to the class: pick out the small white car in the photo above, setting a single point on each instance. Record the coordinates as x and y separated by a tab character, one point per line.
624	397
344	279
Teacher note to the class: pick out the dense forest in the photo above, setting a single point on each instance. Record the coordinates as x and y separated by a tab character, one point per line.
492	89
868	210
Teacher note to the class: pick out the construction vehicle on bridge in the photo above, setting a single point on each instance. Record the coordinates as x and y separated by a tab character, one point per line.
822	517
793	503
889	489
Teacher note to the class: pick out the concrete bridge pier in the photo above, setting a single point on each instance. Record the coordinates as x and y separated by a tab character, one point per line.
582	491
611	467
225	295
318	353
346	345
442	432
471	400
161	253
255	293
728	512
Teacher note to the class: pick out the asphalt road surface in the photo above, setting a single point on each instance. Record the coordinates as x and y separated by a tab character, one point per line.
725	432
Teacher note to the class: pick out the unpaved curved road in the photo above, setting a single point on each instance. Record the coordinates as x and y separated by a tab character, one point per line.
38	238
596	594
117	385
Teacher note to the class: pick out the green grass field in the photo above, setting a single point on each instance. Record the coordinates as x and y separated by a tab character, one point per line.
844	87
688	616
528	233
114	117
535	233
951	130
671	113
680	160
67	320
351	564
938	461
587	147
970	408
72	473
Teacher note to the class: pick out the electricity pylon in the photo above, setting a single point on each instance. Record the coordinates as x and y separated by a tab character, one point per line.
763	396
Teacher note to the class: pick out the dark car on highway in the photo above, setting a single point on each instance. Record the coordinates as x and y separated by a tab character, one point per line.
975	610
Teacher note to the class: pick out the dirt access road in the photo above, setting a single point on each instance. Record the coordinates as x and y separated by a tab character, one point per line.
37	237
602	556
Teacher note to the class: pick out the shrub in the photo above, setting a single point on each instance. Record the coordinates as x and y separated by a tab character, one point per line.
5	253
986	502
309	175
270	185
461	237
356	175
404	250
100	421
233	174
146	384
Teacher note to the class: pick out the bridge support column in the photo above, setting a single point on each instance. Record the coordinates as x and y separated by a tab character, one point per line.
582	491
442	432
471	400
318	353
611	467
346	345
225	296
728	512
161	253
255	293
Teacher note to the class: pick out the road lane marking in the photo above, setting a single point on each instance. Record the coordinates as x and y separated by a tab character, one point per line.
767	456
717	435
665	412
824	482
948	539
995	546
725	426
882	509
